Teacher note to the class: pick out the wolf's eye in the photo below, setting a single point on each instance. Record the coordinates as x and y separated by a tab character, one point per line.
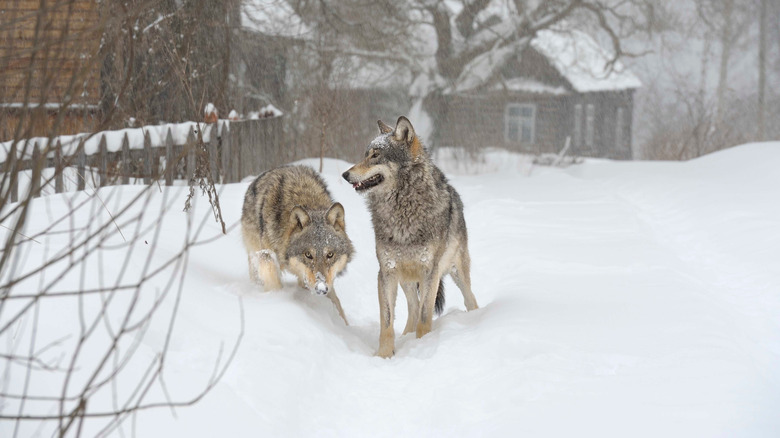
375	155
308	255
330	255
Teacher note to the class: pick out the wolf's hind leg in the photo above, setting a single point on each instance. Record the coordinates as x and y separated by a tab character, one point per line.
429	288
461	274
252	259
413	304
268	270
335	299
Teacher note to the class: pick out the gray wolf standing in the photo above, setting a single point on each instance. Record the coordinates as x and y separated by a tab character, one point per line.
419	227
290	222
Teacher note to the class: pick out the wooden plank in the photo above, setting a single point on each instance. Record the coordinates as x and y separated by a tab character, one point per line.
266	155
236	153
36	166
148	158
272	143
227	170
212	148
170	165
253	142
103	161
190	149
81	167
58	168
125	160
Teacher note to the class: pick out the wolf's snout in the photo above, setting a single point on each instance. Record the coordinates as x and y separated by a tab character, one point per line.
345	175
321	288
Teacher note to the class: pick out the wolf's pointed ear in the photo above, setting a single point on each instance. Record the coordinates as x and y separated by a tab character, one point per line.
299	218
405	132
335	216
383	128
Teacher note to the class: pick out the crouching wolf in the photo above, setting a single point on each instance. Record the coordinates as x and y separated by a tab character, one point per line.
290	222
419	227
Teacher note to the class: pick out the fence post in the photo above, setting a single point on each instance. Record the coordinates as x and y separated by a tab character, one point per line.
147	158
277	139
81	166
125	160
170	166
58	168
235	152
103	161
35	174
189	150
253	150
212	148
227	171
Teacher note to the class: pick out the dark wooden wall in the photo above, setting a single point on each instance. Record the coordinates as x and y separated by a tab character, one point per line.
477	120
47	55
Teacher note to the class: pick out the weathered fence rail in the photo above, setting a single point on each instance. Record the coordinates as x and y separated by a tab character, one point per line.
234	150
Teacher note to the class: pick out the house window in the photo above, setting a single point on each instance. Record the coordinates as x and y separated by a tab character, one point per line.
577	125
619	129
590	117
519	122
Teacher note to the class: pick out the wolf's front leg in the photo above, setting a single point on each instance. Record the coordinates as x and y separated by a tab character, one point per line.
388	289
335	300
412	303
268	270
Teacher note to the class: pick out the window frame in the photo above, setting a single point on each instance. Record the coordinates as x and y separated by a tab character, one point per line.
520	119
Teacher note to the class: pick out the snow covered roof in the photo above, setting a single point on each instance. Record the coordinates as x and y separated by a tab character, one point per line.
528	85
484	67
582	61
273	18
573	53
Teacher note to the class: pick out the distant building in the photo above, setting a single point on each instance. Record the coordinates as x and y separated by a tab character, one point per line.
49	76
269	30
557	87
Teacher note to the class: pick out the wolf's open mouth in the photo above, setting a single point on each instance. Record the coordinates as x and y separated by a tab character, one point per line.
368	183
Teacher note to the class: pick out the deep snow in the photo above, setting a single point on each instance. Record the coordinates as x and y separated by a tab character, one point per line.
617	299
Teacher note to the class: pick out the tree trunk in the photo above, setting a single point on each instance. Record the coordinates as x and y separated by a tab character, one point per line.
762	71
726	43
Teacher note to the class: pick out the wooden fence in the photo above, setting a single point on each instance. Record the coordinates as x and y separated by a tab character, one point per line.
235	150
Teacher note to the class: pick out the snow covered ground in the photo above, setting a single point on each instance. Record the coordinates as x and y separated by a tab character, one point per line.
617	299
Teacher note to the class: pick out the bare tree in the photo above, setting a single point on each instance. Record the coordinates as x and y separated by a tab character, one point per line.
477	29
762	40
92	264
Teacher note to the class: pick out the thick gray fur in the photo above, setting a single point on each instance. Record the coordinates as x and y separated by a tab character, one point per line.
290	222
418	223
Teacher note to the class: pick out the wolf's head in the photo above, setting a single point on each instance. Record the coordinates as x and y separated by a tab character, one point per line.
319	248
391	150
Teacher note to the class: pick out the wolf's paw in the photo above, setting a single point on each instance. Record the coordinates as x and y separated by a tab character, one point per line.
423	329
268	271
385	353
265	256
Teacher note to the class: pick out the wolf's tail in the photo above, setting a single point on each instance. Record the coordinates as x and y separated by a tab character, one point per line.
438	306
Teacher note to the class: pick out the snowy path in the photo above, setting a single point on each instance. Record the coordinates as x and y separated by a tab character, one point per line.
617	299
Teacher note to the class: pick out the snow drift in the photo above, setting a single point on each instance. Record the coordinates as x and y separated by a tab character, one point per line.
617	299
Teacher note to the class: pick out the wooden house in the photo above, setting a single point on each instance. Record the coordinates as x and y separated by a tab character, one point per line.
48	75
558	86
